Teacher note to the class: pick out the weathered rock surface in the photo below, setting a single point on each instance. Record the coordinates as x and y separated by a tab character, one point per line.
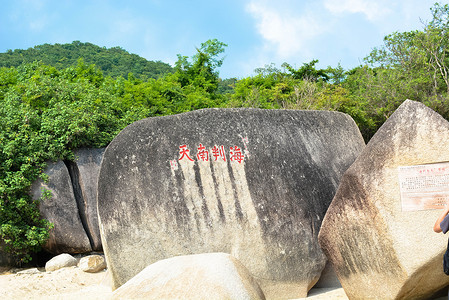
92	263
249	182
68	234
61	261
73	207
378	250
86	168
200	276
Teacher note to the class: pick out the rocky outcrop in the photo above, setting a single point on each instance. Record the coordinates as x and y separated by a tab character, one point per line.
92	263
249	182
68	235
379	247
201	276
87	167
61	261
73	205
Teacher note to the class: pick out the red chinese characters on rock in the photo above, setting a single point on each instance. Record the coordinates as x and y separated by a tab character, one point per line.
217	153
202	154
184	152
235	154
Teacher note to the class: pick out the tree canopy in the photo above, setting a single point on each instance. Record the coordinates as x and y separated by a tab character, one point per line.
113	62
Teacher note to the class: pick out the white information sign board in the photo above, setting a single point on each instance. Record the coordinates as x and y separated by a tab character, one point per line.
424	186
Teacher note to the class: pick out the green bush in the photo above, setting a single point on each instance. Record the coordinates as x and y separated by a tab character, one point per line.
44	115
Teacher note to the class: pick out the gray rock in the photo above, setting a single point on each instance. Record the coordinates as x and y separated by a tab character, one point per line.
201	276
68	234
86	168
378	250
92	263
61	261
160	194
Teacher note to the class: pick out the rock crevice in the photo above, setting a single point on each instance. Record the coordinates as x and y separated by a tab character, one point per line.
73	205
74	174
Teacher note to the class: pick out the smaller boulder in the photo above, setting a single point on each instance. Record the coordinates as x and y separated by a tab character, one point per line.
29	271
61	261
92	263
200	276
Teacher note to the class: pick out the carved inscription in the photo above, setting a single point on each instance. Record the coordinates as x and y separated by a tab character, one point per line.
216	153
424	186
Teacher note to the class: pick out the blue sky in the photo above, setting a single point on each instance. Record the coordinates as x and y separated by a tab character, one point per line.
258	32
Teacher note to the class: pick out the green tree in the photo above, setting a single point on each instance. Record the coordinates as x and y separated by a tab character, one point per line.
199	77
202	70
435	42
421	56
308	72
44	115
336	75
410	65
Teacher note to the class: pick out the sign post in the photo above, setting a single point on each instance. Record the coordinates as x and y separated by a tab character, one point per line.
424	187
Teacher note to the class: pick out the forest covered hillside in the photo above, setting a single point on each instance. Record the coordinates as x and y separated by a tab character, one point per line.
113	62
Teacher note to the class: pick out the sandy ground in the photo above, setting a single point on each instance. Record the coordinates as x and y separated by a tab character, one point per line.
65	283
74	284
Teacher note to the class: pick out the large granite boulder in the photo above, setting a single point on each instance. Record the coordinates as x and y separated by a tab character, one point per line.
249	182
379	247
68	234
73	206
86	168
200	276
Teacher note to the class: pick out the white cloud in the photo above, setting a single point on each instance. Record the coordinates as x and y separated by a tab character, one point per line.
124	27
29	14
409	13
284	27
35	5
373	10
38	24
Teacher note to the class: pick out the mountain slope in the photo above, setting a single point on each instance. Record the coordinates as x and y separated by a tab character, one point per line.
113	62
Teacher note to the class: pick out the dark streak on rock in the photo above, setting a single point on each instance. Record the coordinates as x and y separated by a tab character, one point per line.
217	193
238	208
204	208
180	209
